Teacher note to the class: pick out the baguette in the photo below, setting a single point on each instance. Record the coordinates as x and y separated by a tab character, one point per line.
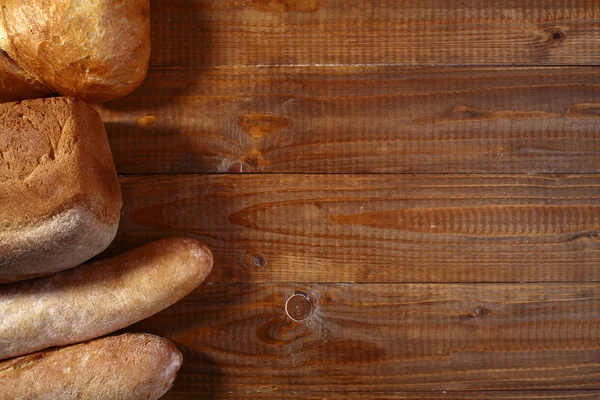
99	298
125	367
60	198
93	50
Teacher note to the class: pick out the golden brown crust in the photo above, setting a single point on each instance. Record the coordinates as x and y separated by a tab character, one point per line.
99	298
58	187
125	367
93	50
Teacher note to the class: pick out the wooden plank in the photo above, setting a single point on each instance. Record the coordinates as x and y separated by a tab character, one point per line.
375	228
359	119
429	395
306	32
385	337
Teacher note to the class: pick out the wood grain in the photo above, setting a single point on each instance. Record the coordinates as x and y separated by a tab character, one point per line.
374	228
416	32
385	338
359	119
353	87
373	395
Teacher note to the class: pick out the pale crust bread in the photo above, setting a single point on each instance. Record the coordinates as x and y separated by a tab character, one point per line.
95	50
132	366
59	189
99	298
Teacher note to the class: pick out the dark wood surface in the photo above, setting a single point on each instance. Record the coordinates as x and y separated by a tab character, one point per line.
386	337
359	119
191	33
375	228
430	192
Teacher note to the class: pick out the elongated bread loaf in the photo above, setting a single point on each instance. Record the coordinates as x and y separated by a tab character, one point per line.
93	50
60	198
99	298
126	367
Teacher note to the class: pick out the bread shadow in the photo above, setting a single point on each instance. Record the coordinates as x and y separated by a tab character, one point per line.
139	125
160	206
166	149
134	125
180	43
193	324
183	390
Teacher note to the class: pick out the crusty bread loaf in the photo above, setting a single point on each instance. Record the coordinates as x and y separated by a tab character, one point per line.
60	198
126	367
15	84
93	50
99	298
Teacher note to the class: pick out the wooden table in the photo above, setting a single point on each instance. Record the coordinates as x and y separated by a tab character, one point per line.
417	180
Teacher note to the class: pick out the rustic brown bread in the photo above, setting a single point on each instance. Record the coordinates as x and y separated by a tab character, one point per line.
60	198
127	367
93	50
99	298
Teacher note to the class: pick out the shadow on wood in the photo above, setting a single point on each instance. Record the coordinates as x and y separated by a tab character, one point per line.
131	125
134	129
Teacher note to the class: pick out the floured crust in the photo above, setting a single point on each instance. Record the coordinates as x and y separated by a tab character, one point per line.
93	50
125	367
42	247
99	298
54	159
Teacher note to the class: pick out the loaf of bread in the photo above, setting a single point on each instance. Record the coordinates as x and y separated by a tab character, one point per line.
125	367
60	198
15	84
93	50
99	298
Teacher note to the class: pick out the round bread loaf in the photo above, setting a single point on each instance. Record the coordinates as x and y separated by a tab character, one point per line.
92	50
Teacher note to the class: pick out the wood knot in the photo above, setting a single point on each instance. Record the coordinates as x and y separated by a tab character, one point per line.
299	307
555	35
260	261
479	312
